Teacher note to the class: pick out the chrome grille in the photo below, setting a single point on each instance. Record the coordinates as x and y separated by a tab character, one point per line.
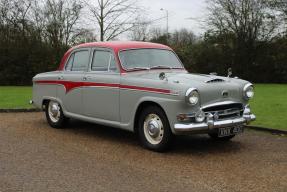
225	111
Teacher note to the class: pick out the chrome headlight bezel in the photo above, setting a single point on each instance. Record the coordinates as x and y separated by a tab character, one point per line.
248	91
192	96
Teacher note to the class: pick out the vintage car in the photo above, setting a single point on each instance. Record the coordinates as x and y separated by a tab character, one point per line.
144	88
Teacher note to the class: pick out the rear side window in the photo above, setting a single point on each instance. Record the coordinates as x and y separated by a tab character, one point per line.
103	61
78	61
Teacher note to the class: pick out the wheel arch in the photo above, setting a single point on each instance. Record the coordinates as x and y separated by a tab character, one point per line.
45	100
140	108
44	103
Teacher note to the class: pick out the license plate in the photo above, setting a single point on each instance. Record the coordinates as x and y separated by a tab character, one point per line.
227	131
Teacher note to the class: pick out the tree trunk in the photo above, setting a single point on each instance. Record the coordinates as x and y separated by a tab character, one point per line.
102	20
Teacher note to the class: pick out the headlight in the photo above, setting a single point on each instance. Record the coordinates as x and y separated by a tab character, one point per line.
248	91
192	96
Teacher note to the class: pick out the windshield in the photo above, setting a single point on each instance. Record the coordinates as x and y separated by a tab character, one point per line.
149	58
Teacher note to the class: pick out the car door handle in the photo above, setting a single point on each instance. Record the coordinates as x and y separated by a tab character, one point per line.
86	78
60	78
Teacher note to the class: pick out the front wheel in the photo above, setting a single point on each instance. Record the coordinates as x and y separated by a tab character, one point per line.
154	130
55	115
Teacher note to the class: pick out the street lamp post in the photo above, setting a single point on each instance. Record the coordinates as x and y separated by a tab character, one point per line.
166	20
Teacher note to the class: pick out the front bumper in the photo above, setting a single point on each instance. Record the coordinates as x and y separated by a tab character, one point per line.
210	124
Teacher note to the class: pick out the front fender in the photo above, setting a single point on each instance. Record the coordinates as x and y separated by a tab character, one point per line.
170	104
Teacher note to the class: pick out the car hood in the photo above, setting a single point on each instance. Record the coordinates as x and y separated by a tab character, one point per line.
196	78
182	77
210	87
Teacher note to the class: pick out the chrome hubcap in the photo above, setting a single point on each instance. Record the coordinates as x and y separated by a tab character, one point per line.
153	129
54	111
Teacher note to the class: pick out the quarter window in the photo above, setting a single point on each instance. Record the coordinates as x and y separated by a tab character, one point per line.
70	63
103	61
113	65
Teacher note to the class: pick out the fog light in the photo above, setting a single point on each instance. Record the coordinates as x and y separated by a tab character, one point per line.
199	116
247	110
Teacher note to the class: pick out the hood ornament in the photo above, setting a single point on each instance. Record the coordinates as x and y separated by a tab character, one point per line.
213	73
229	72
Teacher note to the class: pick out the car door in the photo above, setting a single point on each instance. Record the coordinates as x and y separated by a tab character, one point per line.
71	80
101	90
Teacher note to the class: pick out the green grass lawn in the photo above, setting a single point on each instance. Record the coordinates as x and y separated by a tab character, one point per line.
269	104
15	97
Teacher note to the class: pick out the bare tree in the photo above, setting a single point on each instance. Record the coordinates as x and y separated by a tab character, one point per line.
38	18
249	20
114	17
156	33
280	7
16	14
241	24
183	37
143	31
62	18
140	32
86	35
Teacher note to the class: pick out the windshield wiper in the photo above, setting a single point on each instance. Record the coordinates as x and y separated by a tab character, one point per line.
154	67
161	67
138	68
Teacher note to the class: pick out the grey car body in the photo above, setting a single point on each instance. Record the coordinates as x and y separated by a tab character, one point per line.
115	96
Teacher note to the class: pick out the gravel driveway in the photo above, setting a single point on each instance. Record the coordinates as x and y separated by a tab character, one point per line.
87	157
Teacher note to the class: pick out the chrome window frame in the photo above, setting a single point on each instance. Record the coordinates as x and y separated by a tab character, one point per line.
129	70
72	53
94	49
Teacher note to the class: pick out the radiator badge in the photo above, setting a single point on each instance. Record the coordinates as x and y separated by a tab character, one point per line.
216	116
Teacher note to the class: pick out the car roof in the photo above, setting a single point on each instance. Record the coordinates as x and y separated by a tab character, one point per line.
120	45
116	46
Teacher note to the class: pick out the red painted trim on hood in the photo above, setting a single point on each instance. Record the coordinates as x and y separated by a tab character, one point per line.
148	89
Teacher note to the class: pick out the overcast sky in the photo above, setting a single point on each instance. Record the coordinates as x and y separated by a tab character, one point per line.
179	12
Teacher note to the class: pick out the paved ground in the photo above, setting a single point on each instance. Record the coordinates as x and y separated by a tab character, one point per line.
86	157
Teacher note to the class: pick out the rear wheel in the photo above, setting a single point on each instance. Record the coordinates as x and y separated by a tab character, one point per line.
55	115
154	130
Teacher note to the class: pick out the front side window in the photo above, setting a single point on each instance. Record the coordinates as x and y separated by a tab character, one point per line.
103	61
148	59
78	61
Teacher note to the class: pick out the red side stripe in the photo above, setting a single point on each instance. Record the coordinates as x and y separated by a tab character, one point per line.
69	85
148	89
91	84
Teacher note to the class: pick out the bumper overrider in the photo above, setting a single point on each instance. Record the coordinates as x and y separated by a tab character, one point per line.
210	123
